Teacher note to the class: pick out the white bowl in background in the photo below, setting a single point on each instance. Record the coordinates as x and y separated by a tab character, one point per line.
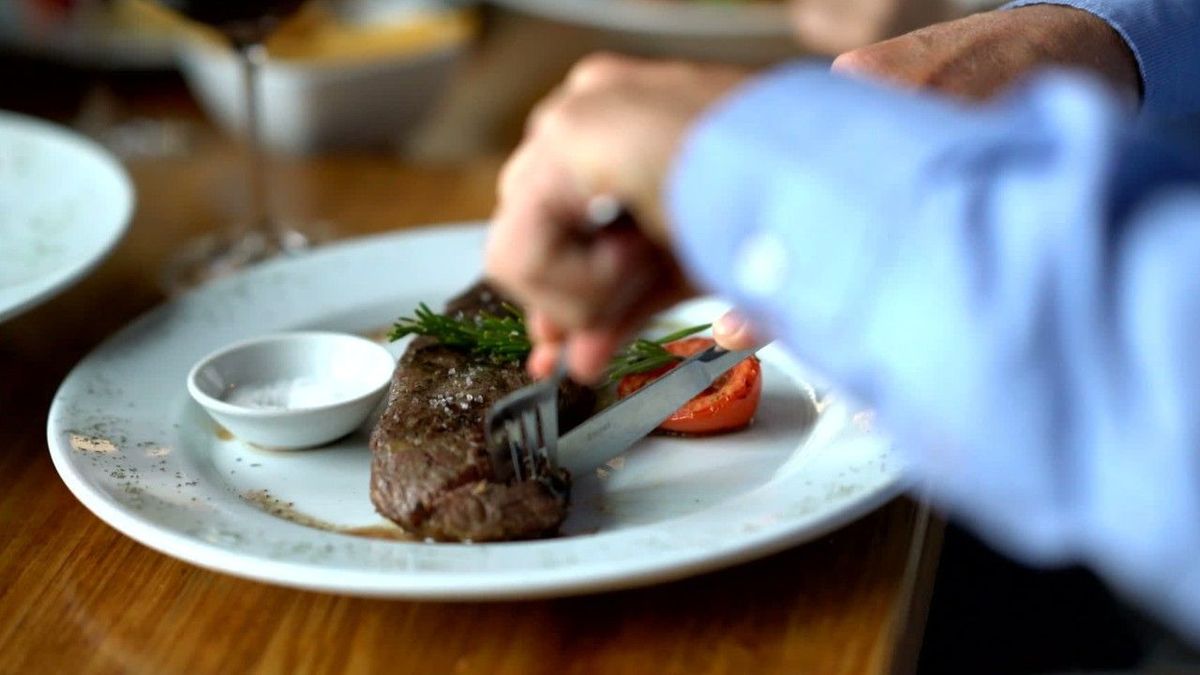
309	105
292	390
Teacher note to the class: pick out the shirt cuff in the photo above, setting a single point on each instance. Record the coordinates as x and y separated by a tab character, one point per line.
744	209
785	194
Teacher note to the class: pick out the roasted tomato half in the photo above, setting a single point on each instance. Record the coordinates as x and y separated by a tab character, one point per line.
727	405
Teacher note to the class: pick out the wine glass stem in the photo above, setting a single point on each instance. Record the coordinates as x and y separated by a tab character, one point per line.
253	56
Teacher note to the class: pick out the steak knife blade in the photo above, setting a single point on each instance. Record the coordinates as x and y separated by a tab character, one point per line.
613	430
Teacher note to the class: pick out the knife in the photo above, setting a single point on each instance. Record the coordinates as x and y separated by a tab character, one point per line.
613	430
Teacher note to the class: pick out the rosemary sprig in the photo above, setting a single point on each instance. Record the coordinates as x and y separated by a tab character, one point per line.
644	355
503	338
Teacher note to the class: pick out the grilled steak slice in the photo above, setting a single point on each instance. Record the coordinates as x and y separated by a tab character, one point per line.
430	471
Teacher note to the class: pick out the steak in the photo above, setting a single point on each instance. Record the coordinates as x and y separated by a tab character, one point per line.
430	471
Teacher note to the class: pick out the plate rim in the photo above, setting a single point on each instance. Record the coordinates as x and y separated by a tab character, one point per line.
450	587
61	280
446	586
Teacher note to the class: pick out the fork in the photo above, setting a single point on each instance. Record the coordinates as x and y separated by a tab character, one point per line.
522	432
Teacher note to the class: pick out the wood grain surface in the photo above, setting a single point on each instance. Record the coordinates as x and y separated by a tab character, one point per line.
78	597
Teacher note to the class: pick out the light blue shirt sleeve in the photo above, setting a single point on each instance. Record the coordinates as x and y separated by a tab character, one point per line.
1164	36
1015	288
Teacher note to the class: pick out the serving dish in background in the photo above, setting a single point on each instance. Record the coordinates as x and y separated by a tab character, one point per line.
336	80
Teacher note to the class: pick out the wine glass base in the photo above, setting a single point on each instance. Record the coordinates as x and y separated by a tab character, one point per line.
218	255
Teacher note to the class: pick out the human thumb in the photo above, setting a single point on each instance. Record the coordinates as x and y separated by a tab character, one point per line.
733	331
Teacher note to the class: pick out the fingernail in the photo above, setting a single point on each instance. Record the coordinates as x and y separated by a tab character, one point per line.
729	325
541	361
583	369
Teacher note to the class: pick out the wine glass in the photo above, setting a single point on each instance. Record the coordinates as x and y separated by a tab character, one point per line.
246	25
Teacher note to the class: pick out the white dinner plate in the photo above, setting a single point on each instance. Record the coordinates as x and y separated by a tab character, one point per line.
134	448
64	204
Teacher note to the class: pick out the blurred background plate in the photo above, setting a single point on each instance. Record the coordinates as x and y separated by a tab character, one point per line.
753	33
667	17
64	204
102	34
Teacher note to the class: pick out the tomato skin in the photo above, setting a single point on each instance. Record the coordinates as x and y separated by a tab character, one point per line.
728	405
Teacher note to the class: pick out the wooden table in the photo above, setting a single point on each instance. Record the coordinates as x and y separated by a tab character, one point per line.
76	596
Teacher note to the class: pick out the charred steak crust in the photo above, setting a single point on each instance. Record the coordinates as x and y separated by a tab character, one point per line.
429	468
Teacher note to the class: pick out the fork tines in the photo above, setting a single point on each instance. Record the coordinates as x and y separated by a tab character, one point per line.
522	433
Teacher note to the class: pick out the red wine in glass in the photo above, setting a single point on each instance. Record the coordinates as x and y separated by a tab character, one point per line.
246	24
239	20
